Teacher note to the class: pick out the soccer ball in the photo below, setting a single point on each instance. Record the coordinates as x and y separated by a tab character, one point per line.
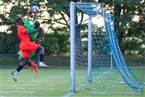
35	9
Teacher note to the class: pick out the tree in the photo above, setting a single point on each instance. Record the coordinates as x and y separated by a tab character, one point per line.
124	12
56	15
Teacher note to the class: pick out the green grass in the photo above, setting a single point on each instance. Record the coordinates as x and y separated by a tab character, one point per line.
48	82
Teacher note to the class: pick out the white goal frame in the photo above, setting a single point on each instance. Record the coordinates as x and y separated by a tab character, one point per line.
72	43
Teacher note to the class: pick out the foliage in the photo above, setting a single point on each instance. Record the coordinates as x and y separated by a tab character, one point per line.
56	43
56	15
130	33
9	43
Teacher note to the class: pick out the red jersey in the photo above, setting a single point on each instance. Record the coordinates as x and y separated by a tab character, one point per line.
22	36
25	46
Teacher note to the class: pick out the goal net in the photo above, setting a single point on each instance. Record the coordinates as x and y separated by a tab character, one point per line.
97	64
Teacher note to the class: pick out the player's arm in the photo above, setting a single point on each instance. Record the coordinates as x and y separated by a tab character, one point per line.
28	14
35	16
34	31
37	39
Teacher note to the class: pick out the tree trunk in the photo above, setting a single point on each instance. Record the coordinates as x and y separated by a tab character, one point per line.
117	13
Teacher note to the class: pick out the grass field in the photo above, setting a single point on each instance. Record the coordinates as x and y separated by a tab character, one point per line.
48	82
45	83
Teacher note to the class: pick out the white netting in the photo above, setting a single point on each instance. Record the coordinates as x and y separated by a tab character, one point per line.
106	75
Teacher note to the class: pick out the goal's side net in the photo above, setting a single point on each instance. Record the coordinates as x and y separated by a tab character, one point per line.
97	64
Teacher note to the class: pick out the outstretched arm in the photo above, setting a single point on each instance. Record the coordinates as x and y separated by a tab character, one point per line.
35	16
28	14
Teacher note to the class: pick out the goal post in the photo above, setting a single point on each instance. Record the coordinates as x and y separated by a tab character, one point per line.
96	61
72	46
89	49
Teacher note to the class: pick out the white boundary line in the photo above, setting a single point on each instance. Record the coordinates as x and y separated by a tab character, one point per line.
68	94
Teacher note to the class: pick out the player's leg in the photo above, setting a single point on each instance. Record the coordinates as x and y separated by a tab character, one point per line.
32	48
40	51
32	65
25	61
21	59
20	67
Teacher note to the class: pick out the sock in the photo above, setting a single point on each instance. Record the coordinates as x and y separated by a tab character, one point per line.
29	64
20	67
41	57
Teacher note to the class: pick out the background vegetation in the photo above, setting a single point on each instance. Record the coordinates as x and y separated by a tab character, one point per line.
130	30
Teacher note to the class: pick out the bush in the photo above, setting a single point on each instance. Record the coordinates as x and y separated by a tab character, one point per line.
56	43
9	43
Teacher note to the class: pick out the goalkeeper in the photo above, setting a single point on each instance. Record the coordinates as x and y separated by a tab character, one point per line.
32	25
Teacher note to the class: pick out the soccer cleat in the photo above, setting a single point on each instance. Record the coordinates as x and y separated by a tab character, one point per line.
33	66
15	74
42	64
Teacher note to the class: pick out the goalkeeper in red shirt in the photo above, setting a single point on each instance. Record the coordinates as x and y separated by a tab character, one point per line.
26	46
32	25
